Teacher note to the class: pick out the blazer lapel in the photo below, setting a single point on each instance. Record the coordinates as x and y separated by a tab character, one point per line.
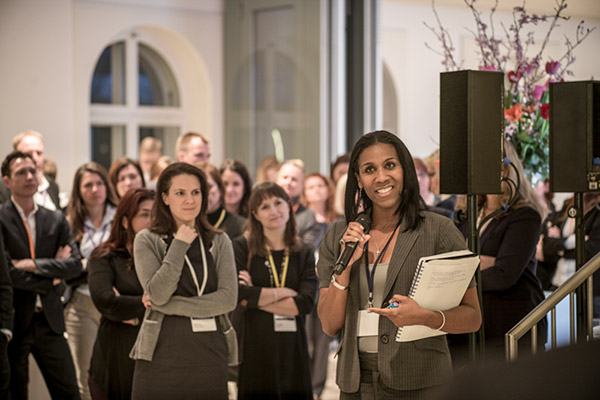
18	222
404	243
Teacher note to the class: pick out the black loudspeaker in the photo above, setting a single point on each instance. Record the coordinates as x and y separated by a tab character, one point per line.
575	136
471	131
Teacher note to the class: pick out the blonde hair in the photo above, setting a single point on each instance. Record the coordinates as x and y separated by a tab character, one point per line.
20	136
150	144
296	162
184	140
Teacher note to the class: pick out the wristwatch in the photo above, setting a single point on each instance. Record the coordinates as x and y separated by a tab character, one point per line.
337	285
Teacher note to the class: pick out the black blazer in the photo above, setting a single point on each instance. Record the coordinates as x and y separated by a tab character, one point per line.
6	292
510	288
52	232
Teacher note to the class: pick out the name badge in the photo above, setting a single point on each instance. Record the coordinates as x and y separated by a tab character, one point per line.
204	324
368	324
284	323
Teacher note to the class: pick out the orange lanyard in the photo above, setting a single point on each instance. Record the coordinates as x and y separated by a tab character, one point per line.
30	237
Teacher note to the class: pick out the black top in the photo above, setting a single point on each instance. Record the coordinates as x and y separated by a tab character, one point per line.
276	364
510	288
111	367
233	225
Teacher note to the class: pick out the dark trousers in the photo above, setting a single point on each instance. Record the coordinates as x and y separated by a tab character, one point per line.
4	368
52	356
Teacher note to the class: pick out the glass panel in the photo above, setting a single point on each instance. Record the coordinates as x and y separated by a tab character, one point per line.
156	82
272	81
108	81
108	144
166	134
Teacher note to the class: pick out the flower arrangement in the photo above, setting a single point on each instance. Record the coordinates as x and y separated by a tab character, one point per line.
527	75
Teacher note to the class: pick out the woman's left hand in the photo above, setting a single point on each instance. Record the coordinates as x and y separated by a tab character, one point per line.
407	313
146	301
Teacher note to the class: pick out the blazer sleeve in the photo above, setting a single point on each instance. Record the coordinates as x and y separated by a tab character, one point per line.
516	249
6	292
101	280
61	268
305	299
222	300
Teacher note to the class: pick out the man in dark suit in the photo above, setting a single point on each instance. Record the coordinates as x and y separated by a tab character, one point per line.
47	195
40	252
6	322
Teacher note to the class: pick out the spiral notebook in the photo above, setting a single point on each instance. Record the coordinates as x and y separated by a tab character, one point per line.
440	283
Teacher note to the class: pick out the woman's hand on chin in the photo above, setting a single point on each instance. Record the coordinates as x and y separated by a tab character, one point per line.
186	234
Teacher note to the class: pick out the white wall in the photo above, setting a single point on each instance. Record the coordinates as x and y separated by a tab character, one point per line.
49	50
415	69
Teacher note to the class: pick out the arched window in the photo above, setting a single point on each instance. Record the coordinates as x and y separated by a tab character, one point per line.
134	94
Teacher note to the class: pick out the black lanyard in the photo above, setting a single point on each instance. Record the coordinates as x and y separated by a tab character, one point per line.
371	275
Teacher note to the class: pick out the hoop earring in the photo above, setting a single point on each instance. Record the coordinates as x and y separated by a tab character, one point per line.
360	199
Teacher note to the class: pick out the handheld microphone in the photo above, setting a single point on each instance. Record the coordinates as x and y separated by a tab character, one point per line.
342	261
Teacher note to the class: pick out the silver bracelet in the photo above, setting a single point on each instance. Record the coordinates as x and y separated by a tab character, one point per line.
337	285
443	320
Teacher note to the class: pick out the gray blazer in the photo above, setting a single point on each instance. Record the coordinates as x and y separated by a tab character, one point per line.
406	365
159	274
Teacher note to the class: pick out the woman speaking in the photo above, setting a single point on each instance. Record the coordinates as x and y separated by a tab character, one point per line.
382	179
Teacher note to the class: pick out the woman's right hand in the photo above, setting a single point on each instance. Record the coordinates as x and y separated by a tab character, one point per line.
355	233
186	234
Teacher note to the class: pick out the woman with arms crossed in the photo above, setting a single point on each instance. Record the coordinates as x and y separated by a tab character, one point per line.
371	362
278	287
118	295
188	272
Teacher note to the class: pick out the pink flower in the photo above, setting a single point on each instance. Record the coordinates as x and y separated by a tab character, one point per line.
545	111
538	92
552	67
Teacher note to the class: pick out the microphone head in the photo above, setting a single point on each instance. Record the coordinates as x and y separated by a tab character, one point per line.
365	220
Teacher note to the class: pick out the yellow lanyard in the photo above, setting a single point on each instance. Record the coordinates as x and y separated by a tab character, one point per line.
221	218
285	267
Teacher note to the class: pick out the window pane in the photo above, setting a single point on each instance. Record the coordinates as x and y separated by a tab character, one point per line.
166	134
156	83
108	144
108	81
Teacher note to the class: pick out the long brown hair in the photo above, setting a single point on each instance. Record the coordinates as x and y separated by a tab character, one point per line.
162	220
240	169
116	167
255	234
76	211
121	238
330	213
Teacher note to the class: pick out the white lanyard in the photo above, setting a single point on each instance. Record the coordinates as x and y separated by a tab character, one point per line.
205	277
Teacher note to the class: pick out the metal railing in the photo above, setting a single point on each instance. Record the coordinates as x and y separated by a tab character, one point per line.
529	322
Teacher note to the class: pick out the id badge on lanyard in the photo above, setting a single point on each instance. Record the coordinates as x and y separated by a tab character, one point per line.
201	324
283	323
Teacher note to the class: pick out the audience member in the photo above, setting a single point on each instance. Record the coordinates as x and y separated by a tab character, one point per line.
6	322
125	174
188	272
41	252
232	224
319	196
291	179
238	186
118	295
275	360
90	214
340	167
267	169
47	195
193	148
508	239
340	191
150	151
431	199
157	168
